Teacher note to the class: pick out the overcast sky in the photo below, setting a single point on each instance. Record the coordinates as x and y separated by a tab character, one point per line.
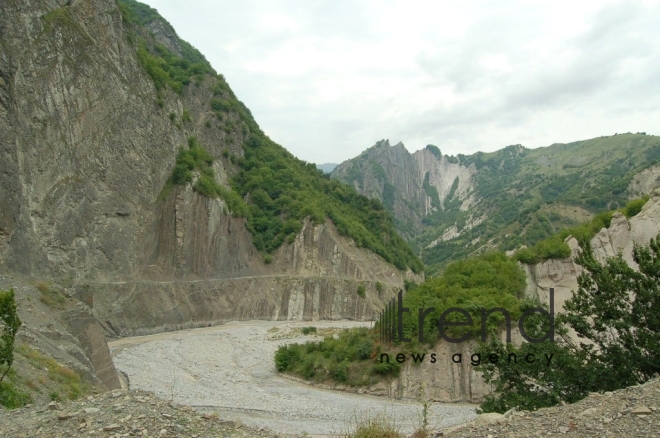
327	79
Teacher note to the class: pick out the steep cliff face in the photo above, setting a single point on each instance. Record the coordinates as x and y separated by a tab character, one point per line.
412	186
453	207
85	147
619	238
88	142
315	277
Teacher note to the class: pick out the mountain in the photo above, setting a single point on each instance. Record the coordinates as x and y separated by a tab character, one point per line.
326	167
139	191
449	207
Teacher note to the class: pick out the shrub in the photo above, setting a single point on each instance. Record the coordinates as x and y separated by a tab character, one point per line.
361	291
286	356
308	330
635	206
11	397
9	324
377	427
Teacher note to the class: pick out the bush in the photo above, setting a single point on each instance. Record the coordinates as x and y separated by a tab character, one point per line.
633	207
197	159
308	330
611	298
9	324
11	397
286	356
361	291
376	427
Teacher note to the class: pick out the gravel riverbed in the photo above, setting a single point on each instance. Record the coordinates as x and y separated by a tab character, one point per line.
229	369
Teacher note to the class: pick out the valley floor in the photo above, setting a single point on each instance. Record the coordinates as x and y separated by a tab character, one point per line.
230	370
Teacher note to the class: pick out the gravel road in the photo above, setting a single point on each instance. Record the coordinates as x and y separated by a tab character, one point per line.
229	369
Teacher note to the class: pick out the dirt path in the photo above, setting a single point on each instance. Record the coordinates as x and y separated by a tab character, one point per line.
229	369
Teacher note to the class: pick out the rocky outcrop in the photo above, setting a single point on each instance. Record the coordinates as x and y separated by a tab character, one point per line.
447	381
315	277
87	142
645	181
405	182
91	338
619	238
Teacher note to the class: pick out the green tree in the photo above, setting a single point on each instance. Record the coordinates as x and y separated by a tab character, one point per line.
618	309
9	323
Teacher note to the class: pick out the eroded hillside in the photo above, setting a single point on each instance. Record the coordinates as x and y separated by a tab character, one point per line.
449	207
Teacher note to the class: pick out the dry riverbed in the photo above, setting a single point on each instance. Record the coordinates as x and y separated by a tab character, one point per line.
229	369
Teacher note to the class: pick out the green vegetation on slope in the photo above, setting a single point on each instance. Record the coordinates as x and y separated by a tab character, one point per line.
166	68
283	190
197	159
530	195
556	248
273	190
611	297
488	281
346	360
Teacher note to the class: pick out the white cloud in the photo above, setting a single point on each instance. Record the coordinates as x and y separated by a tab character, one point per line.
328	78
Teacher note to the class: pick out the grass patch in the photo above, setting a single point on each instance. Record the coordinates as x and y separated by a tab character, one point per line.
67	382
53	298
11	397
379	426
308	330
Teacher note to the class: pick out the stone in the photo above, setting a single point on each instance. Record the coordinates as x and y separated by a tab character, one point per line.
54	406
508	413
563	429
588	412
65	416
641	410
486	419
111	428
91	410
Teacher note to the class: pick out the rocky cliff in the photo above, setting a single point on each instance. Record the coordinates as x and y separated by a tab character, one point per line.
96	101
412	186
451	207
449	382
619	238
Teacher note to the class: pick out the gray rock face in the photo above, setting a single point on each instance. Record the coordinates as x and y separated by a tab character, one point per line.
86	151
407	173
85	148
315	277
620	237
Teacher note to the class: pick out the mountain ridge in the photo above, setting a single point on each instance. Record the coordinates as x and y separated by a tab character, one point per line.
449	207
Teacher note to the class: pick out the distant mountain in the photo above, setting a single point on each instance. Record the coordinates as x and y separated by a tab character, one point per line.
449	207
327	167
